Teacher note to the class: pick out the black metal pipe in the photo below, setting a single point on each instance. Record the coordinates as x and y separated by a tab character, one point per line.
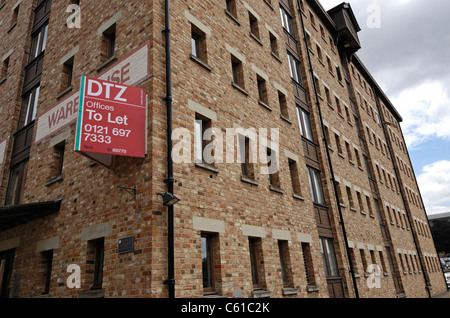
170	179
402	194
333	179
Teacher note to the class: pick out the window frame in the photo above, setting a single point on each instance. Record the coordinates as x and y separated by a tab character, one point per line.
316	186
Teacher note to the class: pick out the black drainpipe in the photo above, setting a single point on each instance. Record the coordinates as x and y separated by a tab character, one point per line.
336	193
408	214
170	180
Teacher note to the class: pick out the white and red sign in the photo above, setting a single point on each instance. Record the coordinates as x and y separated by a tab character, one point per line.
111	119
133	69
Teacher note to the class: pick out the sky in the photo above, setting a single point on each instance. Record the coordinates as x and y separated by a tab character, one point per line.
406	47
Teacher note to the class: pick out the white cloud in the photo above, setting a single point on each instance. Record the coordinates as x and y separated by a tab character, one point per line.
426	113
434	183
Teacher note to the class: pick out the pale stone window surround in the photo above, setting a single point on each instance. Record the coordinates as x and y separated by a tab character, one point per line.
47	244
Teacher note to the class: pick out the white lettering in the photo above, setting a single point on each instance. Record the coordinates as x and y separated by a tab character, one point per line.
74	280
90	92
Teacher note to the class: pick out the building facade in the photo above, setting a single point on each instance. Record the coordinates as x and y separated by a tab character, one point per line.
278	82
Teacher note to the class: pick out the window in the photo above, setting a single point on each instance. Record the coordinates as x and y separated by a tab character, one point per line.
14	17
286	21
47	258
58	159
328	96
67	74
238	72
208	261
29	107
339	74
329	257
349	152
338	144
358	159
350	197
363	259
294	67
317	83
369	206
274	45
254	25
338	105
360	201
6	269
319	53
231	8
283	105
262	90
198	43
96	254
201	125
4	69
256	261
294	177
17	176
315	184
383	263
305	124
339	191
372	257
109	43
308	263
246	157
274	176
313	21
286	273
38	42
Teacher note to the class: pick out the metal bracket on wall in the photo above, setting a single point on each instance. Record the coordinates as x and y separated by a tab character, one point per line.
131	191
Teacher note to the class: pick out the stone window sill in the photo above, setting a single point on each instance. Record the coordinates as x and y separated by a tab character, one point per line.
53	180
312	289
290	291
261	294
249	180
100	293
201	62
64	92
275	189
106	63
207	167
298	197
239	88
228	13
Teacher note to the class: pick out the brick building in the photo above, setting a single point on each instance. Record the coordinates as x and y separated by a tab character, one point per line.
340	216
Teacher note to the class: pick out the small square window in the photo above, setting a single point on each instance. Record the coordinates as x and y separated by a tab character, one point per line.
201	125
283	105
109	42
238	72
247	164
4	69
231	8
67	74
198	43
254	25
262	90
274	45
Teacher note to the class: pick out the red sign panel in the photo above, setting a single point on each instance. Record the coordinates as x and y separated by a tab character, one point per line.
112	119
